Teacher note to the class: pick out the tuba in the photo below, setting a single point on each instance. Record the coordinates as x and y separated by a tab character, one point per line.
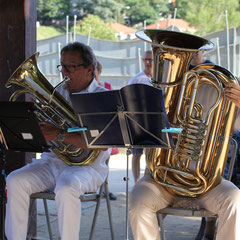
194	102
50	106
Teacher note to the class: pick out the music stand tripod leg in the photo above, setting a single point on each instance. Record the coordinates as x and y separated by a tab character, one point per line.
3	198
127	182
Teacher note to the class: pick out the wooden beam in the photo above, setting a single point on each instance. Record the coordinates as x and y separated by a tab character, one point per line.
17	42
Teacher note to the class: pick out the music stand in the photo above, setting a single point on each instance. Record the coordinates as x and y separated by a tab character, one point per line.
133	116
19	131
130	117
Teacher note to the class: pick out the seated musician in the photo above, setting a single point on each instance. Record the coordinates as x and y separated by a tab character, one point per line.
148	197
50	173
232	93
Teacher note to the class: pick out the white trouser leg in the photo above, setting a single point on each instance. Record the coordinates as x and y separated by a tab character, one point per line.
146	198
224	200
72	183
20	185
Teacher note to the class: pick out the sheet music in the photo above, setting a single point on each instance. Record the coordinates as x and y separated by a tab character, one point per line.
132	116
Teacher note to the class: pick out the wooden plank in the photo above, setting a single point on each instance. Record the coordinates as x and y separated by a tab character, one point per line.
17	42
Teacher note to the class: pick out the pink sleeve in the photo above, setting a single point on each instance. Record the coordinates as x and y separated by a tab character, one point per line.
107	86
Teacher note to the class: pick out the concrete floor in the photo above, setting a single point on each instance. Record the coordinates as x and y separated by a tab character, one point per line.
177	228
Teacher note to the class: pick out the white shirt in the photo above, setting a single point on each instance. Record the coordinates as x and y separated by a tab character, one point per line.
141	78
100	163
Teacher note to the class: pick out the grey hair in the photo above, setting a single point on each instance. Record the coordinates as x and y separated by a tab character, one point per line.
148	52
87	55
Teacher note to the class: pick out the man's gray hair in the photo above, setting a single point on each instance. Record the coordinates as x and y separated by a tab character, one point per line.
87	55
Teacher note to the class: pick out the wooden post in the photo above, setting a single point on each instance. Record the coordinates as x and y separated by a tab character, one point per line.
17	42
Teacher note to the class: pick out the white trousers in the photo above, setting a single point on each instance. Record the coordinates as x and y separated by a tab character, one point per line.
68	183
147	197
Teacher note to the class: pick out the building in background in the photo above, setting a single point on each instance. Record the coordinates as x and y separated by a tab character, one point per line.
180	24
124	32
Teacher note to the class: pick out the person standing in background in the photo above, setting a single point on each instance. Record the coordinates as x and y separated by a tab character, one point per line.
98	73
198	59
109	87
143	77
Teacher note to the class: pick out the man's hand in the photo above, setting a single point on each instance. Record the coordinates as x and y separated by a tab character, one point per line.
49	131
232	93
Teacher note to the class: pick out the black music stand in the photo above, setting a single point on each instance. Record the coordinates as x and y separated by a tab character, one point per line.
19	131
133	116
130	117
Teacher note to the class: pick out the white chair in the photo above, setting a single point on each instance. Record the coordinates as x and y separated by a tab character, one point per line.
95	196
183	212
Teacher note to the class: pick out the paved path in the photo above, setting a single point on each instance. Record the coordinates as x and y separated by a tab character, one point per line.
177	228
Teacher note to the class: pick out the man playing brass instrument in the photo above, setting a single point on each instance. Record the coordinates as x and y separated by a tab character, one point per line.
50	173
148	197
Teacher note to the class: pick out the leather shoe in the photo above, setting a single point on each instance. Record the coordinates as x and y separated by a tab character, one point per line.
112	196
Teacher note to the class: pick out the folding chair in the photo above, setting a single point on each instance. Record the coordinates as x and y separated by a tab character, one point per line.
183	212
95	196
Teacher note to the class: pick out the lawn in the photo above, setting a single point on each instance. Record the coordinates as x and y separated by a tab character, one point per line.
48	31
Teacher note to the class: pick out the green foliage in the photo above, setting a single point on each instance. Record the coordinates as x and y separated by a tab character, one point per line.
99	29
182	8
130	11
106	9
140	10
205	15
209	15
52	9
162	7
48	31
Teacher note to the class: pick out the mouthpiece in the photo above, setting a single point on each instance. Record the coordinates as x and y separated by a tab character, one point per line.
65	79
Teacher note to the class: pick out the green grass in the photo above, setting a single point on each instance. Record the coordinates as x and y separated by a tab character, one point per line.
48	31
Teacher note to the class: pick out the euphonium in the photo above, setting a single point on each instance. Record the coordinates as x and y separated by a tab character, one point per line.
195	102
50	106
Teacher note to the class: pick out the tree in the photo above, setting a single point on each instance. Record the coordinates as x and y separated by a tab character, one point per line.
150	11
182	8
140	10
106	9
131	12
209	15
52	9
99	29
162	7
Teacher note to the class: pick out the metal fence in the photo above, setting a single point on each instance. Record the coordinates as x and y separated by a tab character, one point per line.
122	60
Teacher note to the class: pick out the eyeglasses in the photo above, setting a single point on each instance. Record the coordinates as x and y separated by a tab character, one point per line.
69	68
148	59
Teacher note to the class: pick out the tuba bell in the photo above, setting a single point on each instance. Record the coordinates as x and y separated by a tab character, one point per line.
50	106
194	102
